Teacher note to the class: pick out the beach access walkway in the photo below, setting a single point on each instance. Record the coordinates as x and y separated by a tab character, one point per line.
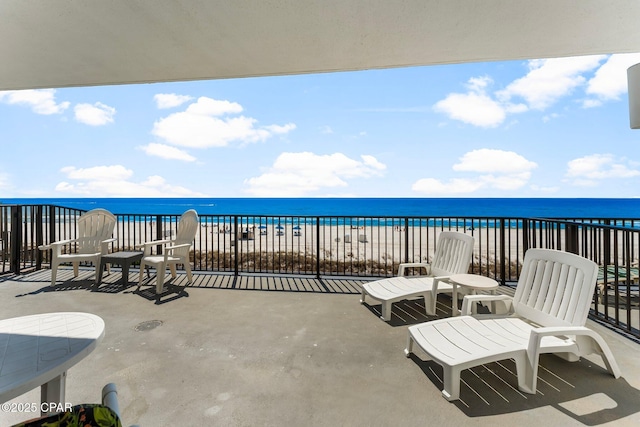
273	351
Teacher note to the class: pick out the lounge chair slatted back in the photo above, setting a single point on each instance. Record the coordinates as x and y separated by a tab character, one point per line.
555	293
453	254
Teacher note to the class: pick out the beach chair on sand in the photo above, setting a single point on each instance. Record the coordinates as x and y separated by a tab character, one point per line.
452	256
174	252
548	314
95	230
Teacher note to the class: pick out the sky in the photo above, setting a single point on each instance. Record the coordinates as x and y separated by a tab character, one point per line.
538	128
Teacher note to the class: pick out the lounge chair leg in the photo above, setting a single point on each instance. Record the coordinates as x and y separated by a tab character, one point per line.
409	350
362	297
429	304
527	374
75	269
451	383
386	311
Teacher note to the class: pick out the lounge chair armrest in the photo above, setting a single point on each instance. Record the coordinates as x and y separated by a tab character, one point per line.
403	266
536	335
469	300
588	341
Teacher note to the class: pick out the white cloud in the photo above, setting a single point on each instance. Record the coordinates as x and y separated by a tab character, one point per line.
200	126
114	181
486	160
170	100
496	169
546	82
167	152
477	109
452	187
547	190
41	101
300	174
97	114
213	107
588	170
474	107
610	81
326	130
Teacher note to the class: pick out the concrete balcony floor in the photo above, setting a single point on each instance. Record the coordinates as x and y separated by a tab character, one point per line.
277	351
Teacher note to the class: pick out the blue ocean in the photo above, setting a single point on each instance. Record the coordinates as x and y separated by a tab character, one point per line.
355	207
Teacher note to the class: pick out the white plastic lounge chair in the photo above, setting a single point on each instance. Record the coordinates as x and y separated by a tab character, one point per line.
550	310
95	230
174	251
452	256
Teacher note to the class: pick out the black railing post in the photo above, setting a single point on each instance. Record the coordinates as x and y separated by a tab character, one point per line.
606	243
406	239
16	238
234	237
503	255
159	234
52	224
39	236
571	238
317	247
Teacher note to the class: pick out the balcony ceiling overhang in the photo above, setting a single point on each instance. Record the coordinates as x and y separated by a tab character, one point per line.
62	43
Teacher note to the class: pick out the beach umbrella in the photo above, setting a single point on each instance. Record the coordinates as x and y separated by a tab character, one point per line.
279	227
263	226
297	227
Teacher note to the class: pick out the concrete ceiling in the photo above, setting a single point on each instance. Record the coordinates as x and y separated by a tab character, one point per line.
60	43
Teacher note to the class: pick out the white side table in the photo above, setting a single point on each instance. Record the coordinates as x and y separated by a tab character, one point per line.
470	281
38	350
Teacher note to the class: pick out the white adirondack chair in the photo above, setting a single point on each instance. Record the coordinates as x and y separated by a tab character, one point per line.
452	256
174	251
549	311
95	230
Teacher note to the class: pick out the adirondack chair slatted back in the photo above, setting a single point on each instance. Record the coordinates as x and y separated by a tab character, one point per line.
453	254
94	227
187	229
555	288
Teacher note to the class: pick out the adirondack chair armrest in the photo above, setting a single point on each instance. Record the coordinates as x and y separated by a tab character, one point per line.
62	242
169	249
184	245
148	245
56	246
404	266
469	300
104	245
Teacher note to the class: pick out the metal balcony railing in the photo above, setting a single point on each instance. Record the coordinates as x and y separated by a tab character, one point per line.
371	247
